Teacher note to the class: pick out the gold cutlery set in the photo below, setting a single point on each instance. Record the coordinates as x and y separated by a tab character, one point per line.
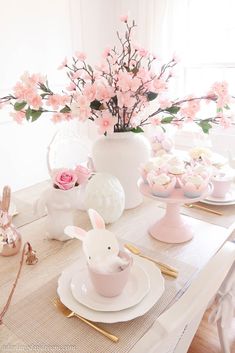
165	269
203	208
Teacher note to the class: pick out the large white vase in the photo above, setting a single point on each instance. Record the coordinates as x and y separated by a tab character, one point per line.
121	154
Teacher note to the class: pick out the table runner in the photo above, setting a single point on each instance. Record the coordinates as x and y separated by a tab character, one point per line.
38	324
26	213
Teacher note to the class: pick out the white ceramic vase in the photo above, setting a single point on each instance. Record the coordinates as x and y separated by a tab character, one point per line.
121	154
61	206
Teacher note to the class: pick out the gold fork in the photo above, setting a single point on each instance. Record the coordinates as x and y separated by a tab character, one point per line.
193	205
69	313
165	269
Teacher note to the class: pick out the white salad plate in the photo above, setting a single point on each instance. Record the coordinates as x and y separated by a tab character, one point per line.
228	199
155	292
137	287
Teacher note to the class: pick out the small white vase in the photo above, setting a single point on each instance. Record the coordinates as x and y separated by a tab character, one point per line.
61	206
120	154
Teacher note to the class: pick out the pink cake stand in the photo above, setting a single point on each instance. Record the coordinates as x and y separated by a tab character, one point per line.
172	227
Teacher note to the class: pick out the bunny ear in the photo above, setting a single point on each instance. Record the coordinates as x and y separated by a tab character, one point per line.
96	220
75	232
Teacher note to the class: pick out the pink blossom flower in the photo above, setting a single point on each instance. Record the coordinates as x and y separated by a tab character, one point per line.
54	101
190	109
124	18
80	108
80	55
165	103
19	116
143	52
126	82
57	117
89	91
71	87
176	58
159	85
64	179
76	74
35	101
144	74
63	64
83	174
106	123
220	89
126	99
155	121
104	92
106	52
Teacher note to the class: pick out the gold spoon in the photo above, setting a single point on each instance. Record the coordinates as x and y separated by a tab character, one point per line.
165	269
193	205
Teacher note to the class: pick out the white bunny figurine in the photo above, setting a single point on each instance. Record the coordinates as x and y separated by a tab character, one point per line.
100	246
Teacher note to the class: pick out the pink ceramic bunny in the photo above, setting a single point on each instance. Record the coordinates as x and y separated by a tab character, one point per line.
100	246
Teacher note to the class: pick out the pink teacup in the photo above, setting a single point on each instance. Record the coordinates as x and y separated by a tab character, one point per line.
222	185
111	284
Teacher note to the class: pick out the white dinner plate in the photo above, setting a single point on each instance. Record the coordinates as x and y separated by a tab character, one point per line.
229	199
156	290
137	287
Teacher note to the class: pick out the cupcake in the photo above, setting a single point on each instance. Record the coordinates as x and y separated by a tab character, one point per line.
202	170
145	169
193	185
201	154
162	184
176	167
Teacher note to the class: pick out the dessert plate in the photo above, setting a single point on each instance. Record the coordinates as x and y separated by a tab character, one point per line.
155	292
137	287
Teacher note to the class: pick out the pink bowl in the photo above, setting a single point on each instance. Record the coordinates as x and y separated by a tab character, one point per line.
111	284
221	187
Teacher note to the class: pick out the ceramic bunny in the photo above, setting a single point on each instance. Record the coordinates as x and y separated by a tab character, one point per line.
100	246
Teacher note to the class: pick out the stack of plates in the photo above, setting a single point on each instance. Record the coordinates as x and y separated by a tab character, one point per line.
228	199
144	288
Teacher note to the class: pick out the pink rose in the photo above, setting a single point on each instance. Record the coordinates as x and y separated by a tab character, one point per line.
65	179
82	174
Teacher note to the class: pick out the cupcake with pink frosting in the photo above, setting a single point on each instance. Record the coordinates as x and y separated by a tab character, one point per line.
145	169
162	184
176	167
193	185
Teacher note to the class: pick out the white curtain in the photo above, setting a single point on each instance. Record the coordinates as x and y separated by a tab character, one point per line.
35	37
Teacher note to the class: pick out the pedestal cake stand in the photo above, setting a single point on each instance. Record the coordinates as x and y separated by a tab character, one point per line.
172	227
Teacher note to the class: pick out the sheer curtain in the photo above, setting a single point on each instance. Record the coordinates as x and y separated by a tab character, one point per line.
35	37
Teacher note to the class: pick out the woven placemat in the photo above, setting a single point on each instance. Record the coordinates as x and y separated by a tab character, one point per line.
226	220
37	323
